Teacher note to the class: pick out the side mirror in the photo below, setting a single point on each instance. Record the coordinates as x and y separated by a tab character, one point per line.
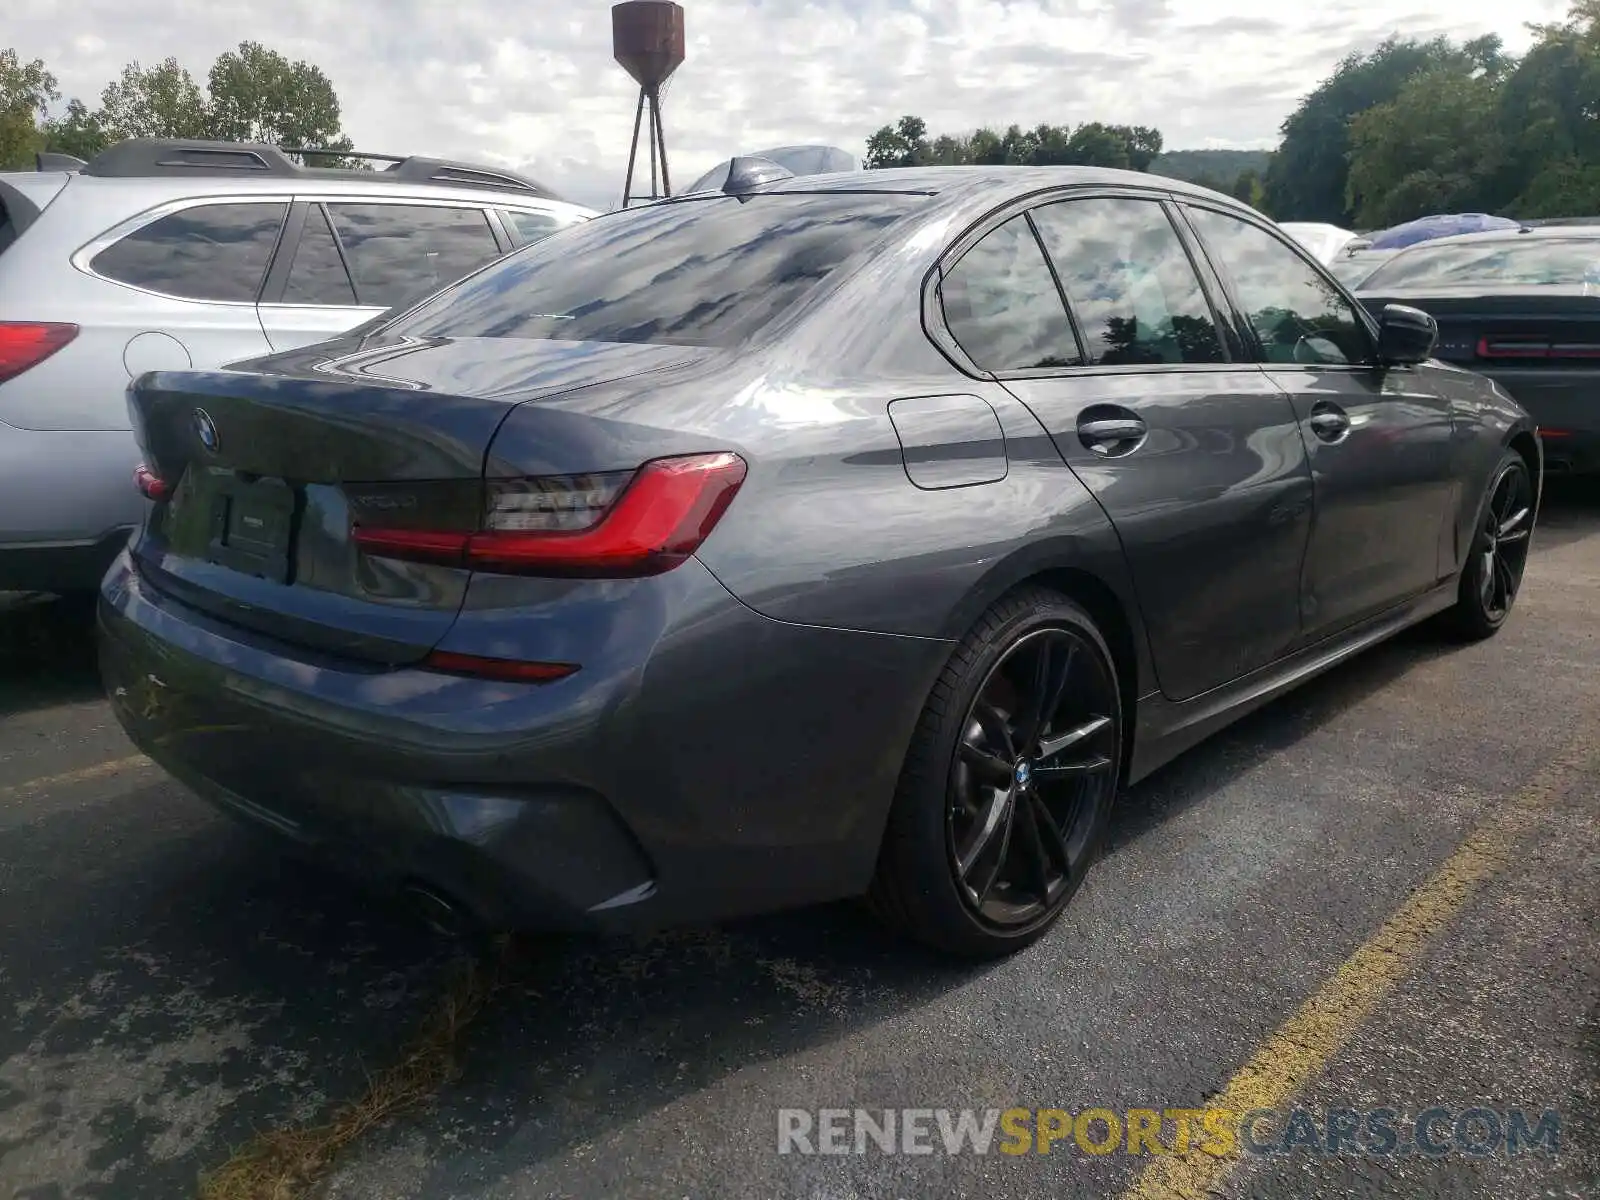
1406	335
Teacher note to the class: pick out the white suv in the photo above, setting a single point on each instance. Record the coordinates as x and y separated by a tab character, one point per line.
164	255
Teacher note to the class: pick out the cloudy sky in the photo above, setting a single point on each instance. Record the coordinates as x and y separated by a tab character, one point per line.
533	85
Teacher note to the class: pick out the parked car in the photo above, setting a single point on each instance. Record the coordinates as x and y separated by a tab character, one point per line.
820	537
1356	261
1323	240
171	254
1523	308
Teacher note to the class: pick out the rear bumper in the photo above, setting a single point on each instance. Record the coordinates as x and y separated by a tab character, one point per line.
67	502
69	567
1566	407
747	766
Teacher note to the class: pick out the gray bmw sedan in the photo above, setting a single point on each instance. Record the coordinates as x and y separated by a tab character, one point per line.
811	538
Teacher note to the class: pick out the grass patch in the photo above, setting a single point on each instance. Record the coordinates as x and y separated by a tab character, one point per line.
280	1164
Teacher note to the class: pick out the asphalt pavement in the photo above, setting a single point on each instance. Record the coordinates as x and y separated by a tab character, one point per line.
1378	893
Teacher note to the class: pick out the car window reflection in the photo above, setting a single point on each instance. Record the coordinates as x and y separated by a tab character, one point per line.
1129	282
1002	306
703	272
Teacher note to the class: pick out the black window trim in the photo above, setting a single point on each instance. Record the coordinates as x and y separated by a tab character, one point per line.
1253	340
83	257
938	332
278	274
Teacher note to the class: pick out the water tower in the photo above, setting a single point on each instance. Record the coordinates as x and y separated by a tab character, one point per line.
647	38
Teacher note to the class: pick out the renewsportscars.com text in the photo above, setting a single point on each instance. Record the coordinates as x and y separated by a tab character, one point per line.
1146	1131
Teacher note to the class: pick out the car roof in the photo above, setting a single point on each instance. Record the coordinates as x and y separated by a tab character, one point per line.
977	187
1528	233
146	192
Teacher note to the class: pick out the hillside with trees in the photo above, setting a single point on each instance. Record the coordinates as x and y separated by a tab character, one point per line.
1408	128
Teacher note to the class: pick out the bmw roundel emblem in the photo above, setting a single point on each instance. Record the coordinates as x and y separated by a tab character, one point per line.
1024	773
206	430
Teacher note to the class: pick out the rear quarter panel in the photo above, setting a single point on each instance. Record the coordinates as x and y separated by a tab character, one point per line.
1485	420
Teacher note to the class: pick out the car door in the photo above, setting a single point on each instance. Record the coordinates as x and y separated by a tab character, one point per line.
1196	459
355	259
1379	438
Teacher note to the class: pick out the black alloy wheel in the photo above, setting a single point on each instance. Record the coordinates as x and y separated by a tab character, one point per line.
1008	782
1491	578
1506	536
1032	773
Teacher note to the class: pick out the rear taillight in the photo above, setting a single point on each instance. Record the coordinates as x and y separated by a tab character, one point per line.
618	524
151	486
1529	347
25	344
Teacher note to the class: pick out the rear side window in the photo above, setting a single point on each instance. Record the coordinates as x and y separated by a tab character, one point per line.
1003	307
529	227
701	272
1299	316
398	252
211	252
317	274
1130	283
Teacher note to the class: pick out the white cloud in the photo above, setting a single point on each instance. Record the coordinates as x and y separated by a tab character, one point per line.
475	79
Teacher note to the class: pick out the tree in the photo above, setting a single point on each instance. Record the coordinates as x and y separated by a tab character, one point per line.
1309	176
1434	148
77	132
26	92
906	144
1549	118
903	144
258	95
163	101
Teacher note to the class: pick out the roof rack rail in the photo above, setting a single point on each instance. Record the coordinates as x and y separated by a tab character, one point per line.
47	160
142	158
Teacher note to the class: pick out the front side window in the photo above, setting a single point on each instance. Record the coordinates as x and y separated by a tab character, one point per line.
398	252
1002	306
317	274
1299	316
209	252
712	271
1130	283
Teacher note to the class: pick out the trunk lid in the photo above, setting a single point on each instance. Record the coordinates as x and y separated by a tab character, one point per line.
269	469
1554	326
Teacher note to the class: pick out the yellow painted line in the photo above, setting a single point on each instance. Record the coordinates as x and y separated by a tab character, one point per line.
133	762
1303	1045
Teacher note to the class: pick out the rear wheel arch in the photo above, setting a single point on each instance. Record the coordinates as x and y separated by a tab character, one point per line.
1525	443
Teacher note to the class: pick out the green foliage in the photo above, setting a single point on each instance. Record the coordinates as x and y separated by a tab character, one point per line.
1213	165
26	91
906	144
1432	148
163	101
251	94
1425	127
1309	174
258	95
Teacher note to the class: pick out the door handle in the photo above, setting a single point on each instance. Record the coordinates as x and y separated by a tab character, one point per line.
1328	421
1108	435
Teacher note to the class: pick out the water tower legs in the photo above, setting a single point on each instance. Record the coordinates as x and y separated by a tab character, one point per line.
649	99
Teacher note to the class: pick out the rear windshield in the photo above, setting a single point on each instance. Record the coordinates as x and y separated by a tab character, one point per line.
705	272
1529	262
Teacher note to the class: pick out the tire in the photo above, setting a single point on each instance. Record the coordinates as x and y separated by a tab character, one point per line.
944	841
1491	578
